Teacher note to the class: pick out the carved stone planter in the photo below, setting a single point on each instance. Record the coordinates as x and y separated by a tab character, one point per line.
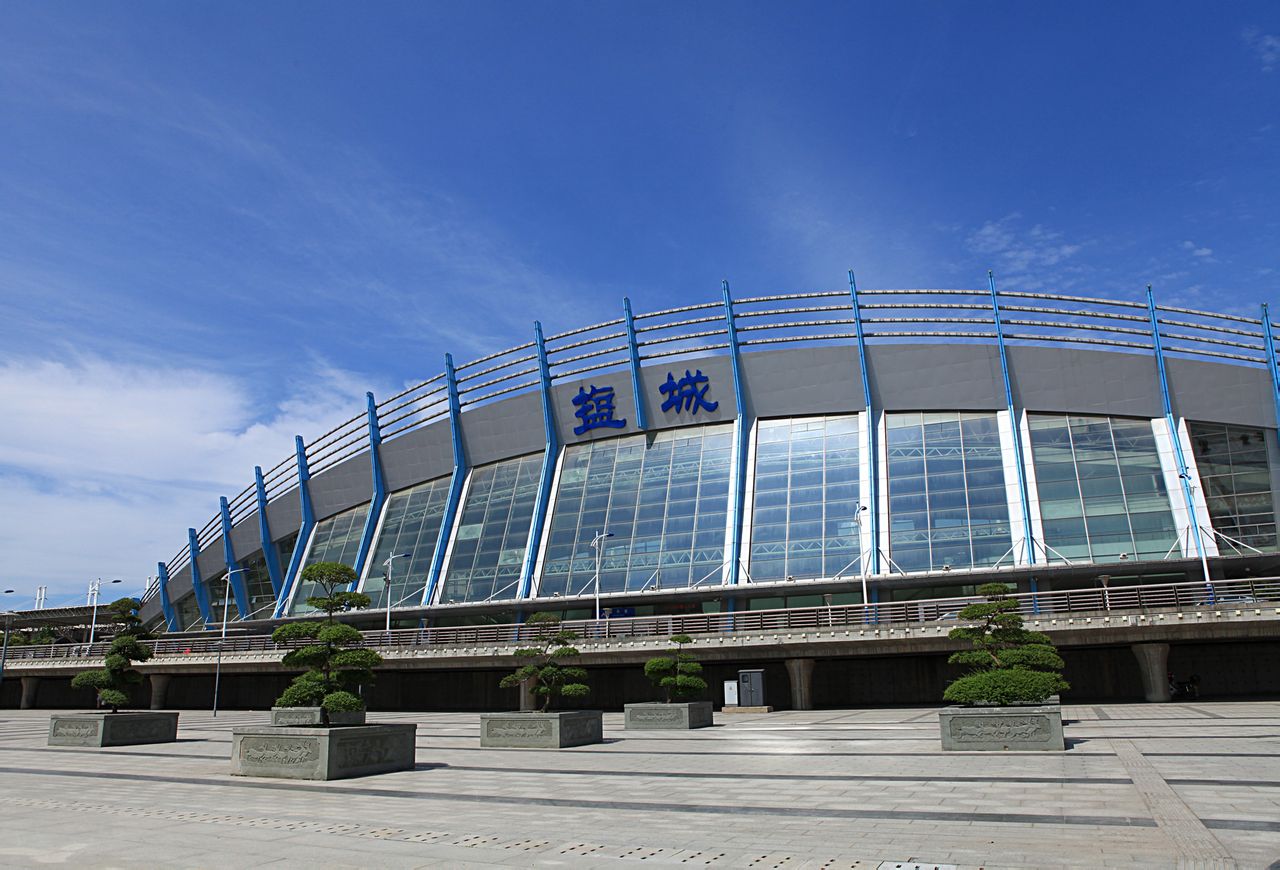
320	752
112	729
995	729
541	730
682	716
286	716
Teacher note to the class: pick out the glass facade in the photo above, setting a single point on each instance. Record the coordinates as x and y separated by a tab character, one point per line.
336	539
493	530
1102	492
804	510
947	501
663	495
411	525
188	612
258	583
1236	476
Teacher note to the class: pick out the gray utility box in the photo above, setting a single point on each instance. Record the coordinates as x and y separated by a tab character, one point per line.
751	688
322	753
995	729
112	729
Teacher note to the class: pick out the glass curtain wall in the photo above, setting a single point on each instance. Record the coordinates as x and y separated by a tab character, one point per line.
947	502
337	539
804	511
258	583
663	495
411	526
1102	492
488	548
188	612
1236	476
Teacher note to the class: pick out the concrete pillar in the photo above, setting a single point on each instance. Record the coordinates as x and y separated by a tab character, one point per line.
527	701
159	687
30	685
1153	662
801	673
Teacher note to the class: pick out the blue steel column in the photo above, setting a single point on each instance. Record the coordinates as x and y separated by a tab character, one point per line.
166	605
455	482
1013	418
304	533
873	430
1183	474
379	491
633	348
235	576
197	586
1272	365
264	529
548	466
740	434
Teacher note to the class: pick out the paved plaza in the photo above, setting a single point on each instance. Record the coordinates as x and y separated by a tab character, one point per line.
1193	785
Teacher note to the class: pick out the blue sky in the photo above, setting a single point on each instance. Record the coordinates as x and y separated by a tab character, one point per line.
220	223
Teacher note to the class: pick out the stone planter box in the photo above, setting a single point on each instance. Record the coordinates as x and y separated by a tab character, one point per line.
299	716
994	729
681	716
320	752
112	729
541	730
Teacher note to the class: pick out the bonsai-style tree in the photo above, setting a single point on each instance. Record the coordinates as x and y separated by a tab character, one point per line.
112	682
1010	663
548	678
333	668
676	672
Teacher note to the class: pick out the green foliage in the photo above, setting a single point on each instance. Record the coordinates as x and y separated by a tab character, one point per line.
676	672
549	678
14	638
333	667
1009	664
113	681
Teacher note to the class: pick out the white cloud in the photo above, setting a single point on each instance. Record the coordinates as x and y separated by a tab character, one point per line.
1197	250
1264	46
104	465
1019	254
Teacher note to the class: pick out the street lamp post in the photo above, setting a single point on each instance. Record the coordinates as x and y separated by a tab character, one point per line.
598	543
862	563
4	645
95	586
226	603
386	574
1195	527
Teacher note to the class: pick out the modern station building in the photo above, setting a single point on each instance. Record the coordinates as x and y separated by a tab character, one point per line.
776	451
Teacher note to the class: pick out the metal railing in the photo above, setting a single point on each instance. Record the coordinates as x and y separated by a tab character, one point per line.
1232	594
816	317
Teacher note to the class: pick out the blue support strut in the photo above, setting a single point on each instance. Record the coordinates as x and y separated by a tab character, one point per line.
1274	367
197	585
166	603
235	576
872	500
379	492
304	532
264	529
633	349
548	466
740	433
455	482
1014	421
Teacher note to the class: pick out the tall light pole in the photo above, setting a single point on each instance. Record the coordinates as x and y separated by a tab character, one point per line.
598	543
226	603
4	648
1195	526
95	586
862	563
386	574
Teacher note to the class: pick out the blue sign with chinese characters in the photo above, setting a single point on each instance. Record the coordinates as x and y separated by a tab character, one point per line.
595	410
687	394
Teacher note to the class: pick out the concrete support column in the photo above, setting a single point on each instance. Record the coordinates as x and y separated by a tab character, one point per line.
1153	662
30	685
527	701
159	687
801	673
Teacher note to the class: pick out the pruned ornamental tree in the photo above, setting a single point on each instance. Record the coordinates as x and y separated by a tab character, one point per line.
113	682
547	676
676	672
334	669
1010	664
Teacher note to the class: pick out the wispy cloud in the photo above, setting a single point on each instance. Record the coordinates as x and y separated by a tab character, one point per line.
1037	253
1199	251
1265	47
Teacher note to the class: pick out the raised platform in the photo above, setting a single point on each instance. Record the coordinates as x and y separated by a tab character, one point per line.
336	752
541	730
995	729
112	729
678	716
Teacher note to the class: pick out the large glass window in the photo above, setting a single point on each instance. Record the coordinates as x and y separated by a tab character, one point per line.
411	526
804	521
493	531
188	612
1102	493
947	503
664	496
1236	476
336	539
258	583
